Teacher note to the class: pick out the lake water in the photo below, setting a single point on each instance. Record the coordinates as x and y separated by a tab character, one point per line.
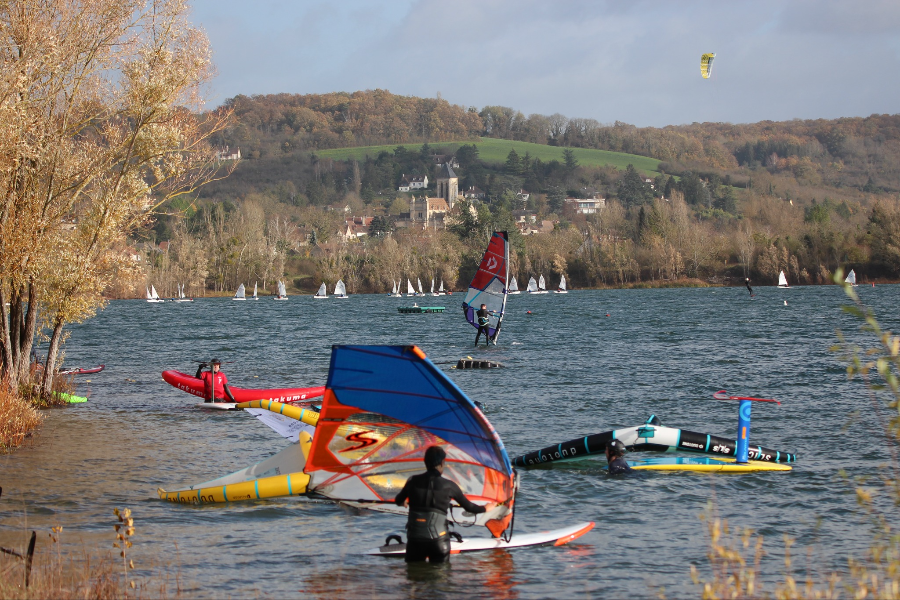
582	363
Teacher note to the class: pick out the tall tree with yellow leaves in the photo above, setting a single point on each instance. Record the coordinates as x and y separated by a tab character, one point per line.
97	129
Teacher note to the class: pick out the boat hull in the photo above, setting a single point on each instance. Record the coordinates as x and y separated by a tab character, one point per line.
195	387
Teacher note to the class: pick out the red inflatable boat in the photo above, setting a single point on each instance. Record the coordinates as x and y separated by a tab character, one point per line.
192	385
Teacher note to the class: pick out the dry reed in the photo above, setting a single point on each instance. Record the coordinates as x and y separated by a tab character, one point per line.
18	419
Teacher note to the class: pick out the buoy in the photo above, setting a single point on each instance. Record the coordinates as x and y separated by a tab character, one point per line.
527	312
607	314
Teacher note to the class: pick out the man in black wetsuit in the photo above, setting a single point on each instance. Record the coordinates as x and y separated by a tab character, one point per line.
481	317
747	283
428	497
615	450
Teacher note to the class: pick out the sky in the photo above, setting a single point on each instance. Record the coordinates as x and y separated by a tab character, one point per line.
632	61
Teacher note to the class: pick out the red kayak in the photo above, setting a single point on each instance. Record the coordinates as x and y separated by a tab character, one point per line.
192	385
82	370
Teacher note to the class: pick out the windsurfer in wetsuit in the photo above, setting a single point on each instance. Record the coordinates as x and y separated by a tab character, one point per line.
481	317
615	450
747	283
428	497
214	381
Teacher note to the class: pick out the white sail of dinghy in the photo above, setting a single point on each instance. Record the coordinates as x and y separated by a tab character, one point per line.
322	293
255	295
441	291
241	293
532	286
419	281
282	291
562	286
340	290
851	278
542	285
409	288
513	286
782	281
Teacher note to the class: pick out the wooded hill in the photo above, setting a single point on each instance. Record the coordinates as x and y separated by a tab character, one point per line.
725	201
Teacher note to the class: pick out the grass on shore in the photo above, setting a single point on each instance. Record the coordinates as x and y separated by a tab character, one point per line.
495	151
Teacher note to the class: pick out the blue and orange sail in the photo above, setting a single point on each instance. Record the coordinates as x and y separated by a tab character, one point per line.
489	286
383	407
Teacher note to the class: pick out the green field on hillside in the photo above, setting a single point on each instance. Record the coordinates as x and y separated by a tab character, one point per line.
492	150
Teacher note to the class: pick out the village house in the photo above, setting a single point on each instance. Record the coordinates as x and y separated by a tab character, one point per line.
226	154
474	193
544	226
355	228
585	206
409	183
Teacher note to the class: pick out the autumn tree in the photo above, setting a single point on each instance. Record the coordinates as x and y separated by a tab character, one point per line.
95	131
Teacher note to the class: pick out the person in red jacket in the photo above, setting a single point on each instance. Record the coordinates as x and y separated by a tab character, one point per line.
215	382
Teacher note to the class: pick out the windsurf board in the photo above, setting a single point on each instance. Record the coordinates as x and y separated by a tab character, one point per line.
557	537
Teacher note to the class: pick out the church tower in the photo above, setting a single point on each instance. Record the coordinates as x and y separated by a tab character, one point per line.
447	184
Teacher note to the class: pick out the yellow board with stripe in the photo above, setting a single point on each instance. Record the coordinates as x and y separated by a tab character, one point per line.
298	413
292	484
705	465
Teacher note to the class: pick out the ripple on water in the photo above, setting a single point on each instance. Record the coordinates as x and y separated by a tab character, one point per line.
570	371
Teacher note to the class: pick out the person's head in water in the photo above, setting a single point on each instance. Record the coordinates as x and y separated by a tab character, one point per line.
434	458
215	364
614	449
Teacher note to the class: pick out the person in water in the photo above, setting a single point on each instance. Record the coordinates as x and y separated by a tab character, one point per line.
747	283
481	317
615	450
428	497
214	381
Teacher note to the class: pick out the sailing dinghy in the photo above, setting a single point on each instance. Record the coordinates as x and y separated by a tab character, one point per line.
152	296
782	281
340	290
409	289
542	286
240	294
255	295
441	291
181	297
513	286
562	286
488	287
419	281
851	278
532	286
322	293
282	292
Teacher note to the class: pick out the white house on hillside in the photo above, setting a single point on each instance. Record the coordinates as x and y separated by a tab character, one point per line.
413	182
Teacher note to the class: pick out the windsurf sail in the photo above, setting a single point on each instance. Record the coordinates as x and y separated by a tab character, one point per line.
488	287
322	293
851	277
409	288
532	285
240	294
339	288
383	407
